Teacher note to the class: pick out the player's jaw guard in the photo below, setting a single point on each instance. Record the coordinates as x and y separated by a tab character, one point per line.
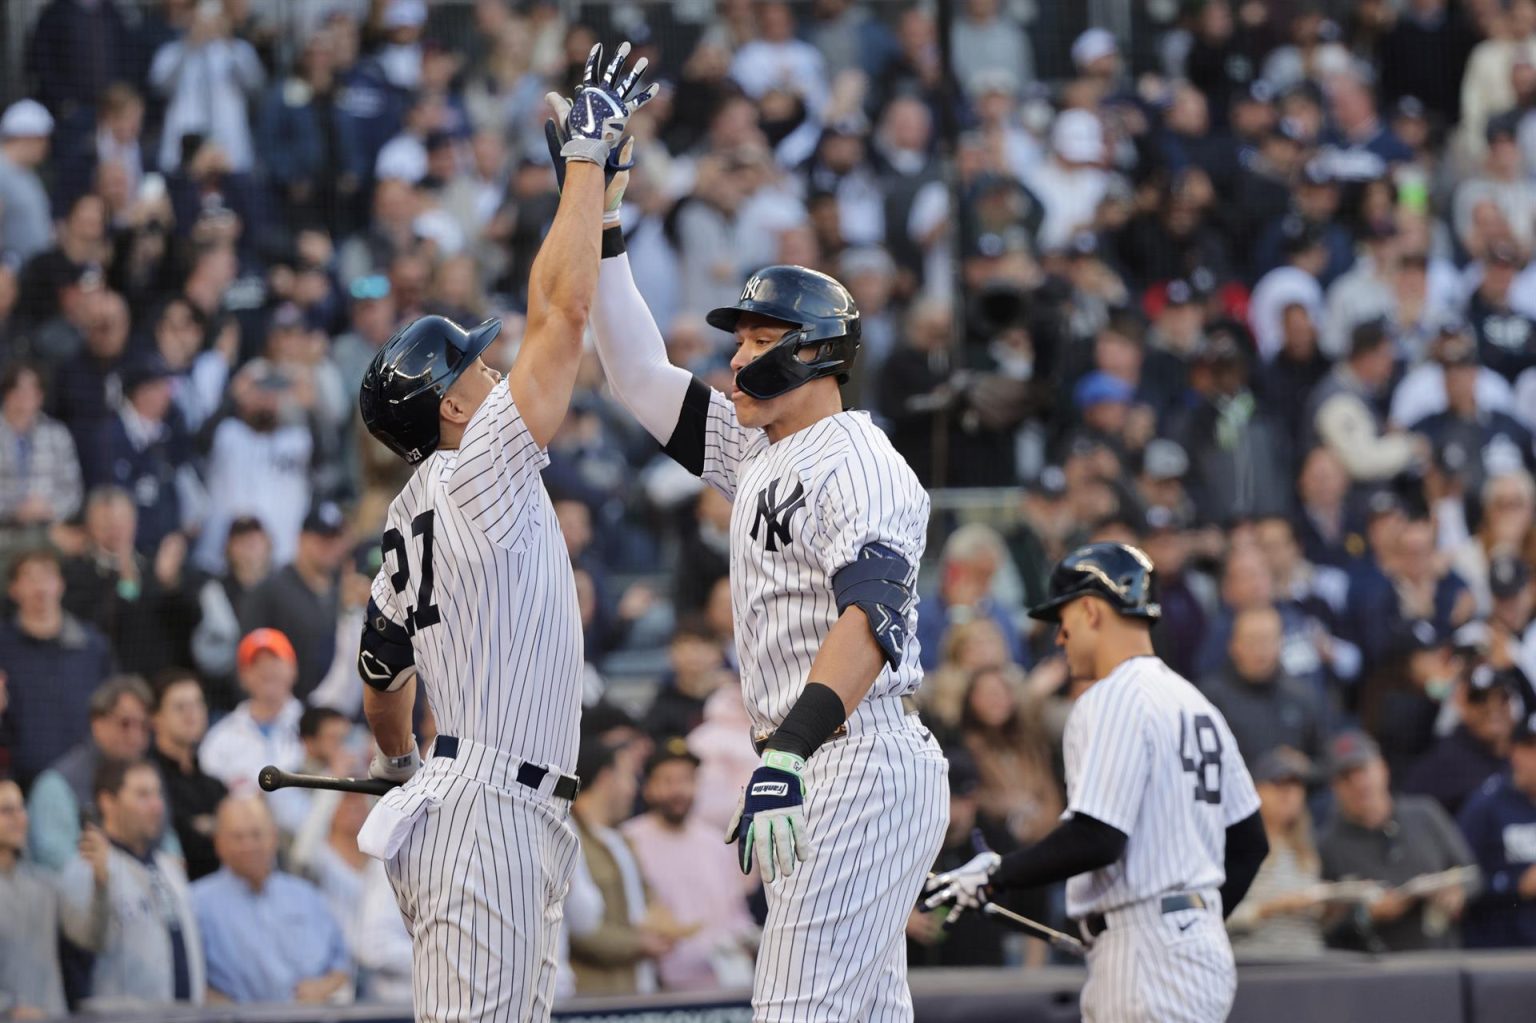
407	379
821	315
1117	572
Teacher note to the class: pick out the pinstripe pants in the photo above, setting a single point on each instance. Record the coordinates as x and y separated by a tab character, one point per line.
834	945
481	881
1154	967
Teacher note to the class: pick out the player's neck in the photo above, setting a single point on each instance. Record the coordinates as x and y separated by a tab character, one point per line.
813	410
1116	650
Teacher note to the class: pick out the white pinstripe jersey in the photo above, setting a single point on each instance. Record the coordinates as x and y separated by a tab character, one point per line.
1147	753
475	567
802	509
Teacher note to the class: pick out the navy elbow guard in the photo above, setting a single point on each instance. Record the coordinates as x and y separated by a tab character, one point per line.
384	657
876	583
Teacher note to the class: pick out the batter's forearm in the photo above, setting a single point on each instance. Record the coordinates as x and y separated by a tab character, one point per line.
849	660
845	667
563	278
389	716
1079	845
1246	847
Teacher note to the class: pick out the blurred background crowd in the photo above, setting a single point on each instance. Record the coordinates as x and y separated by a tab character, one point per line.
1249	284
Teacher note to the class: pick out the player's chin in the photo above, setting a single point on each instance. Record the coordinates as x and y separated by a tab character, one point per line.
749	410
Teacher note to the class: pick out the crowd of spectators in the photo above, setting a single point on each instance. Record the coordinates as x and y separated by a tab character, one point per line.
1257	294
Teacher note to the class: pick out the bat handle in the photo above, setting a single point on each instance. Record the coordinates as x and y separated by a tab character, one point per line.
270	779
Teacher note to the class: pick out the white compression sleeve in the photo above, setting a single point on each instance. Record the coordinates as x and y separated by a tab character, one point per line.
632	352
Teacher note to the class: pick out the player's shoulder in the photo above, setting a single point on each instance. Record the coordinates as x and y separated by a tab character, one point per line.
854	448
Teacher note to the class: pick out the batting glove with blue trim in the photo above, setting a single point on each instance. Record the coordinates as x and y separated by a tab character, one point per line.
770	819
591	125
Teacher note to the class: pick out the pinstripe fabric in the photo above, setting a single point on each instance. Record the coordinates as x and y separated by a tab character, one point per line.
857	490
481	875
1125	747
834	945
503	664
481	880
1152	967
1147	753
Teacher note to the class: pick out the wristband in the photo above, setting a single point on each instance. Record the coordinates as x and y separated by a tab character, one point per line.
613	241
810	722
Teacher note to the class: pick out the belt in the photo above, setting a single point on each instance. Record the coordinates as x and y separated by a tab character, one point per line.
908	707
531	775
1095	924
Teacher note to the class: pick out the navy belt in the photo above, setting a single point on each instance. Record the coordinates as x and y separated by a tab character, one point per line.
531	775
1095	924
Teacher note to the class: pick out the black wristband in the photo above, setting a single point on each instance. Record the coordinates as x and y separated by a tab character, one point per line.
613	241
810	722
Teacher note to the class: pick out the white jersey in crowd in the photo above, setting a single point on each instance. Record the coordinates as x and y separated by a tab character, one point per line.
802	509
476	569
1147	754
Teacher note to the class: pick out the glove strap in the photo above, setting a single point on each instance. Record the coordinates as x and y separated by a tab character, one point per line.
782	760
411	758
586	150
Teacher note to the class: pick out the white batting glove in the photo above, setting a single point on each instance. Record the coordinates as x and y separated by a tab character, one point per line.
770	818
398	769
968	886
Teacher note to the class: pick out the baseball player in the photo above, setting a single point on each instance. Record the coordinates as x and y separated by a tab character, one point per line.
849	805
476	598
1161	836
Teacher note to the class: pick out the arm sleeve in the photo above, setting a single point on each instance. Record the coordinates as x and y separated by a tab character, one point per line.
1107	758
1076	846
696	424
497	474
1246	847
1349	431
633	354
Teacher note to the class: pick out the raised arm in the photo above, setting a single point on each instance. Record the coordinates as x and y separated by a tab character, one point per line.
630	346
564	276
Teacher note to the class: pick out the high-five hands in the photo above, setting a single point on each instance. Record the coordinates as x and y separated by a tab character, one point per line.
590	126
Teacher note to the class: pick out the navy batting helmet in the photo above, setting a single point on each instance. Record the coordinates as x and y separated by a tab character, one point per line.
1119	573
408	377
821	314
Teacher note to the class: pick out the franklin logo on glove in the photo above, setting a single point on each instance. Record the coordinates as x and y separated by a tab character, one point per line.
770	788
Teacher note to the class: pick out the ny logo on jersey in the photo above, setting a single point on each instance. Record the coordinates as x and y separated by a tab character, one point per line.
777	514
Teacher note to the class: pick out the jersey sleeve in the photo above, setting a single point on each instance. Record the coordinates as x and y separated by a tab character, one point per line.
497	474
1108	757
708	440
866	499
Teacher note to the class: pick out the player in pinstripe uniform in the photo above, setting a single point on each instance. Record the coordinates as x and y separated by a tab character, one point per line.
849	806
1162	836
477	600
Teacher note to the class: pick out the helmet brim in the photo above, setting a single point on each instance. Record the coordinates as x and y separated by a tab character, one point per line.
1050	611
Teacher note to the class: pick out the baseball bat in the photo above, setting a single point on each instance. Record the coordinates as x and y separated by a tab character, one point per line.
1064	942
272	778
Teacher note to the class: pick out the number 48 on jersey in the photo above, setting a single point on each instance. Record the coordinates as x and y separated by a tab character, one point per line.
1200	752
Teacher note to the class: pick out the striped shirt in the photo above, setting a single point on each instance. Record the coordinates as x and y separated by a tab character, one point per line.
1147	754
803	508
476	569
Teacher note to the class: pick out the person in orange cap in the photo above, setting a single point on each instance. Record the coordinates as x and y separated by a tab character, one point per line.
264	728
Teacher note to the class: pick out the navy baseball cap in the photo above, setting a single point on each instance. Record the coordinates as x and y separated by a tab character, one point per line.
325	519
